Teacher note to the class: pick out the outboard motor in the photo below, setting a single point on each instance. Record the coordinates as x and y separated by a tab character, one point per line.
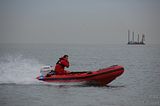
45	70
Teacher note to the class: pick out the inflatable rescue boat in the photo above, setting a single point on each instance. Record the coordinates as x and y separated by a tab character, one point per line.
99	77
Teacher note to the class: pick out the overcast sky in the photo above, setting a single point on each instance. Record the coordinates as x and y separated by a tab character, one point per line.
78	21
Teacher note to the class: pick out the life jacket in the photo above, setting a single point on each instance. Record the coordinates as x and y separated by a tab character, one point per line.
60	65
63	62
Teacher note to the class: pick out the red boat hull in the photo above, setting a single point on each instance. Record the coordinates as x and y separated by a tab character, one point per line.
99	77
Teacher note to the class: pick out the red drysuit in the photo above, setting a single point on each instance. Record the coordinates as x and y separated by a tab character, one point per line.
61	64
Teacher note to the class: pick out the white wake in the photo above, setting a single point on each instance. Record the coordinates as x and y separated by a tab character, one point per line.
18	70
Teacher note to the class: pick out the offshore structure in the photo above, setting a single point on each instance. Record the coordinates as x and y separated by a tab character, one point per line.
132	42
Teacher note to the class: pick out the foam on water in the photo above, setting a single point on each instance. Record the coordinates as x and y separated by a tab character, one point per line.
18	70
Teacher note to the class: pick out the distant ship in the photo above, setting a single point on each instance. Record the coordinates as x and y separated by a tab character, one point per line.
132	42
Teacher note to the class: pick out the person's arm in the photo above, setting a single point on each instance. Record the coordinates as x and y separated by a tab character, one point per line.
65	63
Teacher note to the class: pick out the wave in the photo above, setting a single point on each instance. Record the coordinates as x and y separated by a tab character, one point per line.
18	70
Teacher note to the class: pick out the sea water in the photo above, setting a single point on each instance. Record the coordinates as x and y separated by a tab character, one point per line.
138	86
